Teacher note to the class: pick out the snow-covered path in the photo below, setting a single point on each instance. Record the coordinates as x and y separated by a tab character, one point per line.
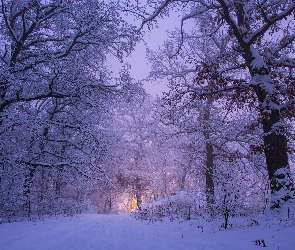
107	232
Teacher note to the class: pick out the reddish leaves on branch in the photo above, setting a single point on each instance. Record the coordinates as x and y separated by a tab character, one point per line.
257	149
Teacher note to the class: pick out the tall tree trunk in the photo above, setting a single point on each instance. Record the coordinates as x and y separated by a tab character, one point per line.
276	154
138	191
274	136
209	174
275	146
209	169
59	182
182	180
27	189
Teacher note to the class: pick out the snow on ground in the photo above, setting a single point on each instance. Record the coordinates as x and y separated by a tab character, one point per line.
122	232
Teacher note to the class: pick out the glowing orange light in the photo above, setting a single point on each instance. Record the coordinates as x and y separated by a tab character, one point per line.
133	204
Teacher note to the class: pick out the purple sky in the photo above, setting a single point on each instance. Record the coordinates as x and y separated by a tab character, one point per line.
139	64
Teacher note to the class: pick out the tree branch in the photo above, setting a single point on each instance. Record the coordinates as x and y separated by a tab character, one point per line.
231	22
163	5
260	32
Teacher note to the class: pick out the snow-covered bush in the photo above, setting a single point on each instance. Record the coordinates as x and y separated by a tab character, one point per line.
182	206
179	206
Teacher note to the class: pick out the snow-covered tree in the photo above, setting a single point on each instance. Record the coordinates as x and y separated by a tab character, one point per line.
55	98
36	36
254	66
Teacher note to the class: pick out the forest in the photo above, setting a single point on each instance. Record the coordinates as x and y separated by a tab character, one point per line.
77	138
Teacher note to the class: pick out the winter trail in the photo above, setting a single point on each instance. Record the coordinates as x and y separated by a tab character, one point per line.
120	232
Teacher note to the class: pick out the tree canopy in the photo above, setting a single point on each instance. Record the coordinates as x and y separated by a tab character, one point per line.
75	137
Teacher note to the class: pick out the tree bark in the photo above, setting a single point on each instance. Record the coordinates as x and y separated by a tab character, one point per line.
274	136
276	154
27	189
209	169
138	191
209	174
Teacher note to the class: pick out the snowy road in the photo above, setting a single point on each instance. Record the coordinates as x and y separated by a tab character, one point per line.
108	232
